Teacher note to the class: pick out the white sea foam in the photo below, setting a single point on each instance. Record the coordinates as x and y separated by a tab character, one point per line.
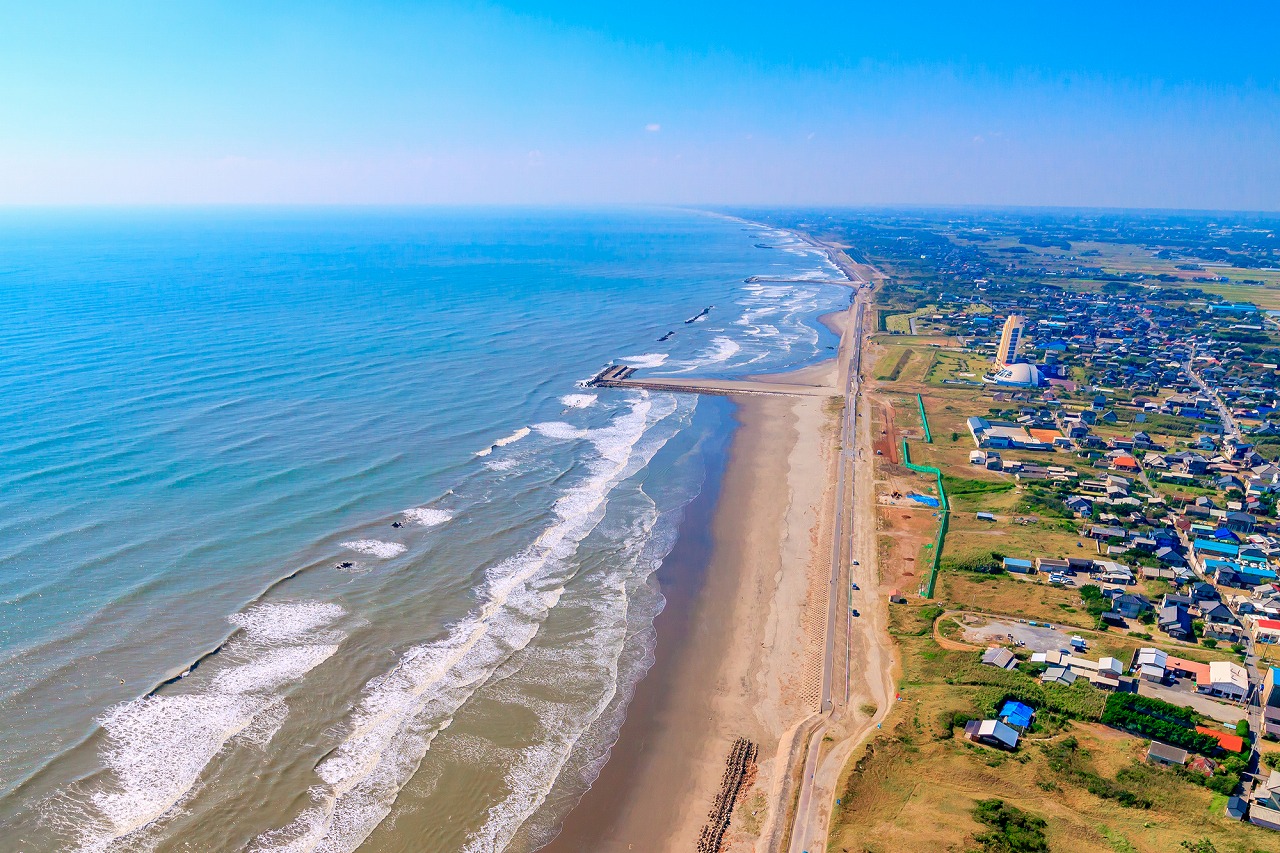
722	349
376	548
402	711
578	401
649	359
287	622
157	746
503	442
560	430
427	516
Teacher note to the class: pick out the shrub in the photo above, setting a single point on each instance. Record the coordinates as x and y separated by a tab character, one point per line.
964	486
987	564
1012	830
1066	758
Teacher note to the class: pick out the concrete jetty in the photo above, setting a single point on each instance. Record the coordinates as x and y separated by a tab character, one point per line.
619	376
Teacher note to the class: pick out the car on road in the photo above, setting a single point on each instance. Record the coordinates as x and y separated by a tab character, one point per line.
854	585
856	563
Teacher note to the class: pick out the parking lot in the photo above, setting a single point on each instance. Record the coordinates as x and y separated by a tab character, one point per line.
984	630
1184	695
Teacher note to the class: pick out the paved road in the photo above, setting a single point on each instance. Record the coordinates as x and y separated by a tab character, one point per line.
809	819
835	597
1229	425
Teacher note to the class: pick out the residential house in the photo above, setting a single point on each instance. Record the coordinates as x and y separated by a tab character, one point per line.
1270	701
1265	809
1266	631
1000	657
1130	605
991	733
1166	755
1227	679
1175	621
1149	664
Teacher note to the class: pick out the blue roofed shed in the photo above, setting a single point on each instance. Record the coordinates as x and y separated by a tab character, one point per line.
1017	714
1022	567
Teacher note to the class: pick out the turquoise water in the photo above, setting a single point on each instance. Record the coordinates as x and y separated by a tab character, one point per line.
342	461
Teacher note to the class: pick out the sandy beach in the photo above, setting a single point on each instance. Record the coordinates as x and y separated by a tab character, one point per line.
740	655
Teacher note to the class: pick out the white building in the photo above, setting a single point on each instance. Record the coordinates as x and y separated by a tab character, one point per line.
1227	679
1010	340
1149	664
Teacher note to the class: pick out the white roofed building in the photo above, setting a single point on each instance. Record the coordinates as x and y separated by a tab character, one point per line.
1227	679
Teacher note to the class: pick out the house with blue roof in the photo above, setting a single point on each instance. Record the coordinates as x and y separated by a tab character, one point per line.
1205	549
1019	566
1256	575
1251	555
1226	534
1016	714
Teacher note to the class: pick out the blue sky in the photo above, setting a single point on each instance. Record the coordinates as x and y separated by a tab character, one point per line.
1117	104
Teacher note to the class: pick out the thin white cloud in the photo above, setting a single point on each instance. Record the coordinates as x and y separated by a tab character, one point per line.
653	127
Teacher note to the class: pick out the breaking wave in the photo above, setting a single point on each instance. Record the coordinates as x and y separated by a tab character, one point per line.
403	711
375	548
157	746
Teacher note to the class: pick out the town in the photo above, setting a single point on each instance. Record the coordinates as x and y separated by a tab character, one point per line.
1100	399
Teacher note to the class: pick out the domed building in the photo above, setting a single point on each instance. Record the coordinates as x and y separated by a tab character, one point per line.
1021	375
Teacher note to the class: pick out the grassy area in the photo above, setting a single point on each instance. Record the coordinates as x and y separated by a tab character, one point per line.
957	366
901	323
918	784
1168	425
1265	297
890	365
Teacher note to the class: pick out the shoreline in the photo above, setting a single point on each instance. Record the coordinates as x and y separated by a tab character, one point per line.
743	655
737	655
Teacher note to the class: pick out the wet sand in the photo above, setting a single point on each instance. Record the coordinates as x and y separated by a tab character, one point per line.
739	646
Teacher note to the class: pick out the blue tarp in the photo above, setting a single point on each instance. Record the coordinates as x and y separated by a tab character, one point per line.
1016	714
925	499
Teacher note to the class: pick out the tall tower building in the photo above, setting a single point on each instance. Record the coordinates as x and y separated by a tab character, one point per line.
1010	340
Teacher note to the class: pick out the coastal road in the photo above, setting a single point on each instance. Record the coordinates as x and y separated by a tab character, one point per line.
809	828
851	364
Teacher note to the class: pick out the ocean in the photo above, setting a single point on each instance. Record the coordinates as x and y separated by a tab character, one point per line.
312	538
